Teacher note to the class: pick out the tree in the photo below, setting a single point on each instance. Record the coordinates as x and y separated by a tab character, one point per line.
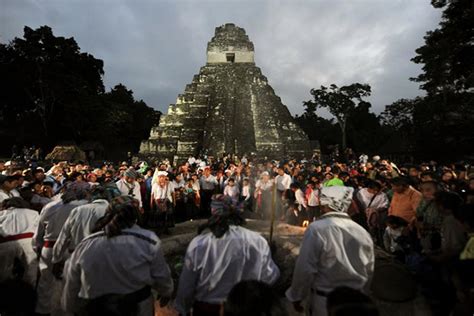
318	128
340	102
51	92
398	124
399	114
43	75
448	53
443	119
128	121
364	133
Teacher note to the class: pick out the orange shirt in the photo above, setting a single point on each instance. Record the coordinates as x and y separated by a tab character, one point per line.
404	204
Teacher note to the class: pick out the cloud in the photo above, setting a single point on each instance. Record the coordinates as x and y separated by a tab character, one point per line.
155	47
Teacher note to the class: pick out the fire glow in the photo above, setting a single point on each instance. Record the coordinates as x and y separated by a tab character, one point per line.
305	224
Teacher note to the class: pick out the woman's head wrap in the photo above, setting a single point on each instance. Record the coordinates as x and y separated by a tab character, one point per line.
337	198
162	174
131	173
107	192
77	190
223	215
121	213
220	203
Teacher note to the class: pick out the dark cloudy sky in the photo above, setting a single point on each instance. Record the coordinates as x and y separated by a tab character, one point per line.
155	47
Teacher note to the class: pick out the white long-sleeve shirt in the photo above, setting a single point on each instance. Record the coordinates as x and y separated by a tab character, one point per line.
161	193
213	266
119	265
208	183
232	191
126	187
51	220
300	198
312	195
7	195
264	186
336	251
380	201
15	222
283	182
246	192
79	224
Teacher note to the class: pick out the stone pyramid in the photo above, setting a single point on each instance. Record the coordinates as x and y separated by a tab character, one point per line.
229	107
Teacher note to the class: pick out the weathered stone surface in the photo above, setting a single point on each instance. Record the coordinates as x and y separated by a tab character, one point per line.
228	107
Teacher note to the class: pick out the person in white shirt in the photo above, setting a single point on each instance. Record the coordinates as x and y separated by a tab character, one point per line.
246	190
129	186
17	226
299	196
217	260
82	221
232	190
227	175
336	251
196	185
283	182
374	203
50	222
312	196
396	227
115	268
208	184
178	182
263	195
297	210
246	197
161	203
8	185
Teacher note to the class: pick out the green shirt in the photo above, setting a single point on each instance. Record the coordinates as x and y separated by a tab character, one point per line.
334	182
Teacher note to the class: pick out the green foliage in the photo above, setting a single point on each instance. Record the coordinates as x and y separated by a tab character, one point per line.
51	92
439	125
448	53
364	131
341	102
443	119
399	114
318	128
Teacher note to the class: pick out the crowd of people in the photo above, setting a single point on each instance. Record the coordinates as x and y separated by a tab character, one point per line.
97	228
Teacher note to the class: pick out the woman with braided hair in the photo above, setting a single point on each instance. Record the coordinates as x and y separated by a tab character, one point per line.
222	255
112	271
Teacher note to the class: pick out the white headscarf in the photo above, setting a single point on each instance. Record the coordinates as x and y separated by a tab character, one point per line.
338	198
